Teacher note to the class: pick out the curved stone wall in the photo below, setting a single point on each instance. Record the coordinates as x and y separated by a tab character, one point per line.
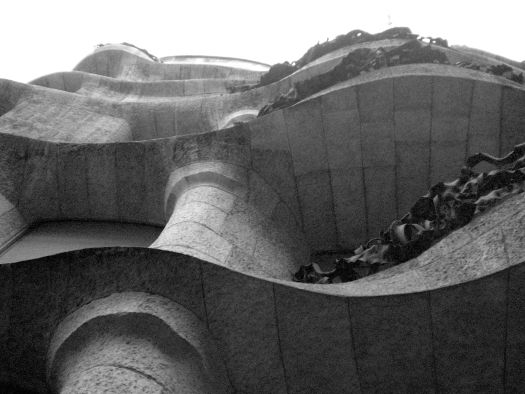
96	85
458	331
241	208
230	216
134	342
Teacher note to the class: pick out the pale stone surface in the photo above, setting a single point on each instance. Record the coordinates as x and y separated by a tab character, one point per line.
109	379
225	214
105	142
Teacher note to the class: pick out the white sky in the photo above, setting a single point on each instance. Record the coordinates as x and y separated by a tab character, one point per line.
41	37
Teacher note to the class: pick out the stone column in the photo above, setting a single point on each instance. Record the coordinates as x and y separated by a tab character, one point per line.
228	215
134	343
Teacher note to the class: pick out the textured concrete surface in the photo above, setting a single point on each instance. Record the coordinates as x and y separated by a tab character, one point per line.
206	304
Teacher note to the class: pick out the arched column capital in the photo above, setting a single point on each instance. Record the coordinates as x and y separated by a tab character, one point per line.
134	341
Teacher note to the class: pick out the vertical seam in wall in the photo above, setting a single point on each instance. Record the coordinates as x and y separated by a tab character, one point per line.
86	179
365	199
501	106
432	83
330	180
285	121
117	181
506	334
64	82
208	125
22	183
434	363
246	132
352	341
469	122
506	324
108	68
59	181
396	177
279	338
113	151
95	62
201	272
163	73
155	123
173	121
143	206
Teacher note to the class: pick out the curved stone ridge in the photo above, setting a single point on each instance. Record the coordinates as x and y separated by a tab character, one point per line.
100	345
127	63
210	306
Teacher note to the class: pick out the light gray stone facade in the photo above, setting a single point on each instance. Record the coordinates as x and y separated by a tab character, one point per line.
151	224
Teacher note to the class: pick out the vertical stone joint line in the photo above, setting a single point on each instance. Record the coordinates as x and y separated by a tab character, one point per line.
201	272
506	324
330	181
285	122
352	341
434	363
501	123
469	122
365	199
393	118
279	338
432	83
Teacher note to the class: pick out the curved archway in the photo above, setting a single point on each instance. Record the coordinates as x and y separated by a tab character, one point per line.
133	342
